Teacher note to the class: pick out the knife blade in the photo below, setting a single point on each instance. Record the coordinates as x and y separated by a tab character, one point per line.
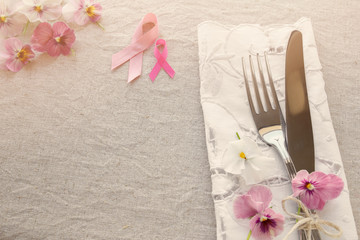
299	131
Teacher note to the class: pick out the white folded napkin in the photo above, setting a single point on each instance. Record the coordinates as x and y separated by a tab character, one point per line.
226	111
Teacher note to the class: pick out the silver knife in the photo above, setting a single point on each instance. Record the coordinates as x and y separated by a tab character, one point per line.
299	132
298	120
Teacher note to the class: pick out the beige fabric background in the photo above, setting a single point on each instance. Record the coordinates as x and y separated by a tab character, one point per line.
84	155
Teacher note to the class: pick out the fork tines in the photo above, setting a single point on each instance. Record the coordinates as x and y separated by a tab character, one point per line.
262	79
272	112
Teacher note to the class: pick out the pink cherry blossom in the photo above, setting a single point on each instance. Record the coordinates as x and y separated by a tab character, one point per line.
82	11
54	40
11	21
316	188
264	223
15	55
42	10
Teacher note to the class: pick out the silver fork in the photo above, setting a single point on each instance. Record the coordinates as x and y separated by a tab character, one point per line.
270	121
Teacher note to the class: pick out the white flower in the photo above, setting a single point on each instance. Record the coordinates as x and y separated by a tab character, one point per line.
11	21
42	10
245	158
82	11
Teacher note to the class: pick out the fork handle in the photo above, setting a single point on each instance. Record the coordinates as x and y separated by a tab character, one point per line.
276	139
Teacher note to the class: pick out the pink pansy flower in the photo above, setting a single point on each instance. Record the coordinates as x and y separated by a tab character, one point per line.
264	223
54	40
15	54
267	224
11	21
316	188
82	11
42	10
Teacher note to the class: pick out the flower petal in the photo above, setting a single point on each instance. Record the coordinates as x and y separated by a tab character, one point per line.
261	195
256	231
30	13
68	11
268	229
51	12
3	55
231	160
14	64
10	7
52	2
317	177
41	36
53	48
333	187
258	169
69	38
29	2
325	187
97	12
244	207
298	182
14	25
30	54
312	200
244	157
81	17
12	45
59	29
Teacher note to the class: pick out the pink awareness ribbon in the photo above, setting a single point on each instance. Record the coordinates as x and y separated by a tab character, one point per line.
161	61
141	40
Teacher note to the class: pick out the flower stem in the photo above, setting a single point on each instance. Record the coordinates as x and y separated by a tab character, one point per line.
101	26
26	27
73	53
237	134
248	237
298	212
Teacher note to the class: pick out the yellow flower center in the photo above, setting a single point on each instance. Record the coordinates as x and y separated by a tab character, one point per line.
310	186
263	219
38	8
58	39
242	155
3	19
90	11
22	55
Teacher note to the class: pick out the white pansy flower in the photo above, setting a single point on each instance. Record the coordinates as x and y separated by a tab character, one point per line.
42	10
11	21
243	157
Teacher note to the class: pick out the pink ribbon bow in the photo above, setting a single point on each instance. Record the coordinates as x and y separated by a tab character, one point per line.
161	61
145	35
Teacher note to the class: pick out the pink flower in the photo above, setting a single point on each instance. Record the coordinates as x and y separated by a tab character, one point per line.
267	224
256	200
42	10
82	11
54	40
264	223
316	188
15	54
11	21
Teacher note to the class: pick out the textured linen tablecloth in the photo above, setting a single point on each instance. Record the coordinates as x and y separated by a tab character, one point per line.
226	111
84	155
